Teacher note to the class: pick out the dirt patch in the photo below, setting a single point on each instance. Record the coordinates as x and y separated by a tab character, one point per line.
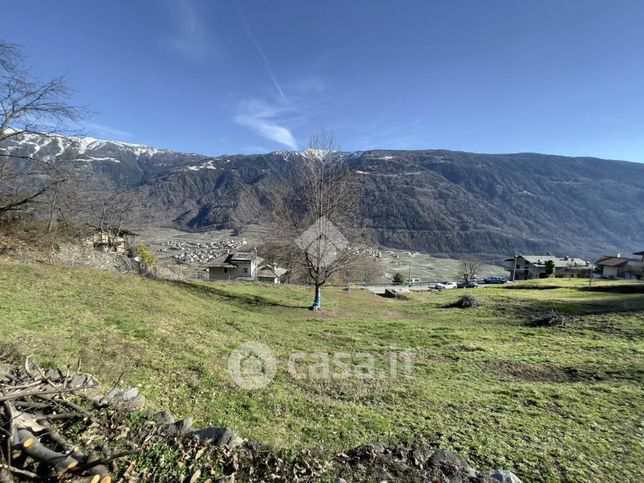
549	318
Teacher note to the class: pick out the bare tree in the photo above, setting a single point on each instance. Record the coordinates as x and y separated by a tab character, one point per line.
469	268
314	214
110	213
364	269
28	106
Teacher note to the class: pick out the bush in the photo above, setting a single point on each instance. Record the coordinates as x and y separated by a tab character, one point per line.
147	262
467	302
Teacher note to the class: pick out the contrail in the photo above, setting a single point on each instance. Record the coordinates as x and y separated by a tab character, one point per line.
259	49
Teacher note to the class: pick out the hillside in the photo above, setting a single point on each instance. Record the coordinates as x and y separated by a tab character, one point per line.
548	403
436	201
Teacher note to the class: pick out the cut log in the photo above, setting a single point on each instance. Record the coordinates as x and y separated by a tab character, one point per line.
63	445
23	440
97	467
59	461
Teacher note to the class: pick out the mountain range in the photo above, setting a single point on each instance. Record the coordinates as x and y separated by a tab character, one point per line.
436	201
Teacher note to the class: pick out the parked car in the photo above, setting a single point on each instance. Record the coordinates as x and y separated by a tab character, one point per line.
445	285
495	280
468	284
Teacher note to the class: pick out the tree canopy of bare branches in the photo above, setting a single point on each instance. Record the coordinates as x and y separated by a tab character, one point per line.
470	268
315	215
28	106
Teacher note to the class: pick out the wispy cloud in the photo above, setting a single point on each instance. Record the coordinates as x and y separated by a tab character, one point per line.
273	117
264	119
104	130
190	37
260	50
379	135
308	86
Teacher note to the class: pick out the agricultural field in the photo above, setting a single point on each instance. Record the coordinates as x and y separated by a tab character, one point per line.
542	378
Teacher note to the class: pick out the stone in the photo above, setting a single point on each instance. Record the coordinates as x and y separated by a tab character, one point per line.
54	375
181	427
421	455
111	395
126	399
133	404
163	418
218	436
396	292
442	457
128	394
504	476
82	380
252	445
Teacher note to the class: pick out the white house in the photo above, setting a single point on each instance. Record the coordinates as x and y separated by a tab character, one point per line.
618	267
234	266
526	267
270	274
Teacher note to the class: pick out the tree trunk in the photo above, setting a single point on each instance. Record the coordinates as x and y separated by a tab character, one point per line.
317	301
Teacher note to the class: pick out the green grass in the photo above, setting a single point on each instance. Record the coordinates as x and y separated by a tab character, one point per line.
550	404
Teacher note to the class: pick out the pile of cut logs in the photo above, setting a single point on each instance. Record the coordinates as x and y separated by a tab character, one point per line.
38	408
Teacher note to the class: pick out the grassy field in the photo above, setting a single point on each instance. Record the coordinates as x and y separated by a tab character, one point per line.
548	403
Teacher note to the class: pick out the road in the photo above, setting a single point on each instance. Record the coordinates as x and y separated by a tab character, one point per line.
423	287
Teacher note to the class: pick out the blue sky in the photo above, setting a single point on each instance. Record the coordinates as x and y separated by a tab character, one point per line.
239	76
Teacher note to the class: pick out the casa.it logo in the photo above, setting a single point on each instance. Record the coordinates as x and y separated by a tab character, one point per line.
322	242
252	365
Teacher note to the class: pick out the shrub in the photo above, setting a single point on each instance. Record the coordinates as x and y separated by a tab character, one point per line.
147	262
467	302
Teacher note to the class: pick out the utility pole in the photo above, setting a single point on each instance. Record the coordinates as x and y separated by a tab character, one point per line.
514	267
409	246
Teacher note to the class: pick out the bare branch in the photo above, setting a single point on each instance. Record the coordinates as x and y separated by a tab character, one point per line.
29	106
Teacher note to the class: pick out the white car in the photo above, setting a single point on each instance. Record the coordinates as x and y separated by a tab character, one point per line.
445	285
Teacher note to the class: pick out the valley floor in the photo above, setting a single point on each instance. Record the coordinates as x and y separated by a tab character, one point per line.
554	403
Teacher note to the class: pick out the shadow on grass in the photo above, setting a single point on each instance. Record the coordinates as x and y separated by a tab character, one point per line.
239	299
549	373
528	286
616	287
626	288
598	306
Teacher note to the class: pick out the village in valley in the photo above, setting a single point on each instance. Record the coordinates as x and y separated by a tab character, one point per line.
228	256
